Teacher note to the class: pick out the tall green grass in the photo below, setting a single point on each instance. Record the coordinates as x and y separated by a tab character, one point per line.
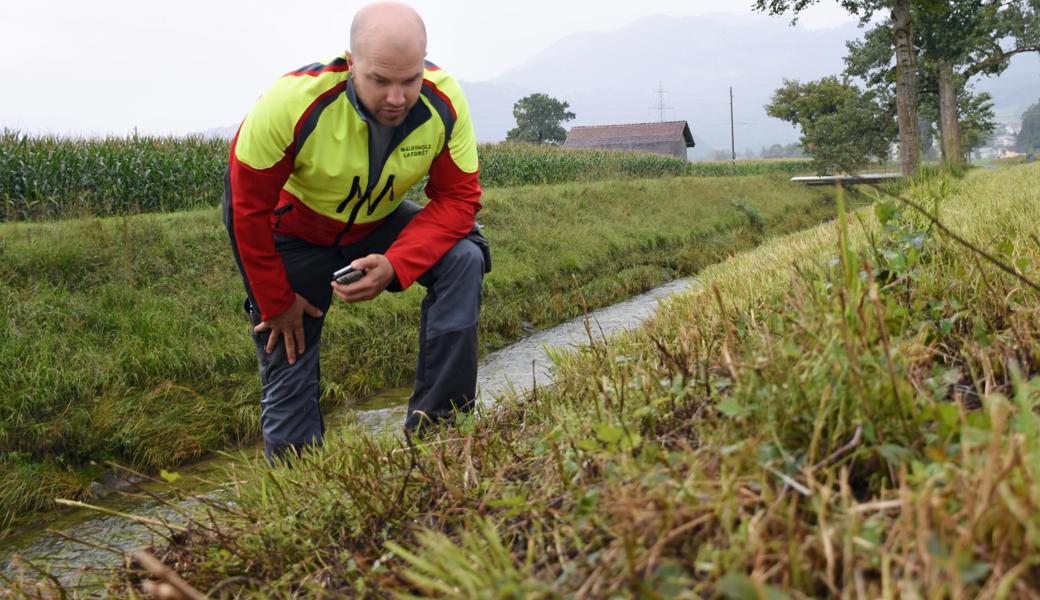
49	177
849	411
123	338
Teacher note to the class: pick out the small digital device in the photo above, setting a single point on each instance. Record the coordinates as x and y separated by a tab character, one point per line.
348	274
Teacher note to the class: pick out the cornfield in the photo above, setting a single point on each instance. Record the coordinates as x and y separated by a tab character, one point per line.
50	177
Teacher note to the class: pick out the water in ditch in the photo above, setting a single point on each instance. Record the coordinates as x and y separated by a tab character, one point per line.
515	368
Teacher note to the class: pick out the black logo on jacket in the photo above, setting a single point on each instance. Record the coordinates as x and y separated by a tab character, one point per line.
366	196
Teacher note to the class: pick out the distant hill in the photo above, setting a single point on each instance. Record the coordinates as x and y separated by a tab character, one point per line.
611	77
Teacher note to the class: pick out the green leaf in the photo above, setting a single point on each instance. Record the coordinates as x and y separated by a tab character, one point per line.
738	586
886	211
895	454
949	416
169	476
632	441
609	434
507	501
588	444
589	502
731	407
1027	422
974	572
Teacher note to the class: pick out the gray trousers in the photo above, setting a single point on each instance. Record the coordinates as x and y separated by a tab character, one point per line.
446	372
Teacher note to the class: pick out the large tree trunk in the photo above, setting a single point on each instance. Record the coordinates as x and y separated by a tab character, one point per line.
950	125
906	103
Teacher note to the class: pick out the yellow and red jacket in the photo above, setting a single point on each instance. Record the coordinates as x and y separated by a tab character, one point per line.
300	167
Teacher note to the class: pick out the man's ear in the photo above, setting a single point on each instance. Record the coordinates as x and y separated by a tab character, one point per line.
350	59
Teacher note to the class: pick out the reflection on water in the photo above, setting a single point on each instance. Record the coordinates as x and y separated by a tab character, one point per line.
513	369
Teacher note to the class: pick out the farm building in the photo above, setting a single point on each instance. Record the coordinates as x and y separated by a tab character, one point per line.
672	137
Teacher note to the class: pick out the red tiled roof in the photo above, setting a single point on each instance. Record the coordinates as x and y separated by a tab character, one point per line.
629	132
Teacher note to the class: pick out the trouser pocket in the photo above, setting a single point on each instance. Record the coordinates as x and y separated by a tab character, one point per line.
478	238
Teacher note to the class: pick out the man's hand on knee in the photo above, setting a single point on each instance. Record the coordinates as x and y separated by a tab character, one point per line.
378	276
289	327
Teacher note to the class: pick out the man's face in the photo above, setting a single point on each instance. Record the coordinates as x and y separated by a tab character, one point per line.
387	81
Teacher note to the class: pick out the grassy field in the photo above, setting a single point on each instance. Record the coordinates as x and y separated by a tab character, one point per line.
49	177
849	411
123	338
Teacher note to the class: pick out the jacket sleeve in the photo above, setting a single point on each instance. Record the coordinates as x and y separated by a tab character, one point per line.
454	192
260	163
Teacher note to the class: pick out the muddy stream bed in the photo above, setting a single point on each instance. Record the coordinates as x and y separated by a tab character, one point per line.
515	368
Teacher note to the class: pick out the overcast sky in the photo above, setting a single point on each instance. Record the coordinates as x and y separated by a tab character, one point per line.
76	66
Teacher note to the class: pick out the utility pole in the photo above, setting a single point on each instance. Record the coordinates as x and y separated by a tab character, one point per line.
732	137
661	106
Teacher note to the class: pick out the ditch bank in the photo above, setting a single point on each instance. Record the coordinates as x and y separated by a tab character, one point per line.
80	547
133	327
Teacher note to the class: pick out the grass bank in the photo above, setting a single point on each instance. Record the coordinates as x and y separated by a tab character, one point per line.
847	411
47	177
123	338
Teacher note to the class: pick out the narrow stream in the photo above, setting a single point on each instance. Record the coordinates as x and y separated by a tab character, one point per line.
515	368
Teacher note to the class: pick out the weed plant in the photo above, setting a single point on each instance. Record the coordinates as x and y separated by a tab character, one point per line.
850	411
124	338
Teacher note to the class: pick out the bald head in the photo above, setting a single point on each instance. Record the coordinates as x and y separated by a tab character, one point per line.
387	27
387	48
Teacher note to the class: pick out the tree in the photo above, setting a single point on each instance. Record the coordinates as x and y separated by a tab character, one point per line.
902	34
869	61
538	119
843	128
976	120
793	150
955	40
1028	139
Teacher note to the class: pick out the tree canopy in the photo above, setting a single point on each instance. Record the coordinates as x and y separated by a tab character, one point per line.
538	118
869	60
954	41
843	128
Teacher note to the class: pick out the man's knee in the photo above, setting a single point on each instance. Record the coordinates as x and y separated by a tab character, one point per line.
465	258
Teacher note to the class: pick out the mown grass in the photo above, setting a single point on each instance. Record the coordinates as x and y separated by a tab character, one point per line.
850	411
49	177
123	338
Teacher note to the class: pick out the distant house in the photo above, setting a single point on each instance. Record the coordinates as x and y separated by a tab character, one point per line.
671	138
